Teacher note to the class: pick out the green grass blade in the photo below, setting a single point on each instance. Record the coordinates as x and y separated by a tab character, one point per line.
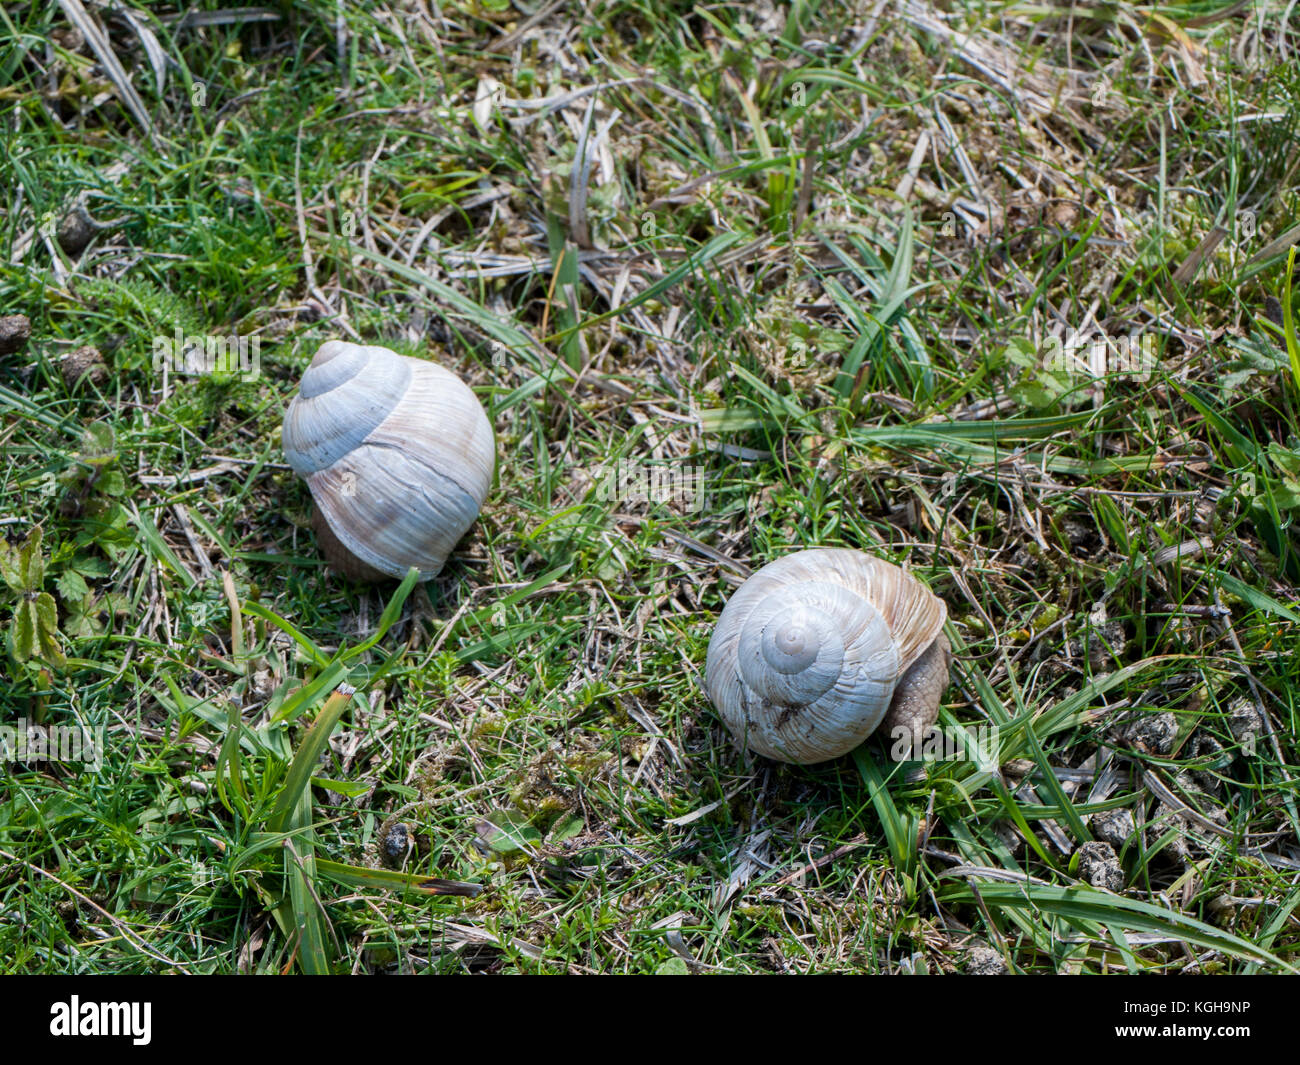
389	617
392	880
305	905
1288	321
900	828
1087	906
311	747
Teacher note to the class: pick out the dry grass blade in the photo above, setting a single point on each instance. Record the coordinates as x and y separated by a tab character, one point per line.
103	48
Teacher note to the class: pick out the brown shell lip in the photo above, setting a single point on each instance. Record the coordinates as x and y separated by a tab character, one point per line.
339	557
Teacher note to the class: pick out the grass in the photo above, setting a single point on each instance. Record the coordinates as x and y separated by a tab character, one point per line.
819	255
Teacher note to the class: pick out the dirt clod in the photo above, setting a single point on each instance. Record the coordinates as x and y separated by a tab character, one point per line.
76	231
984	961
396	845
15	331
1153	733
1114	827
84	363
1099	866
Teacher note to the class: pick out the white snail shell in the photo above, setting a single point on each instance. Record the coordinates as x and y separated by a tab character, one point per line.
398	454
818	648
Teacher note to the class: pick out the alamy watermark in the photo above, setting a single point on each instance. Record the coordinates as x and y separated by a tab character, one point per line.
1102	355
25	742
133	1020
627	481
934	744
194	355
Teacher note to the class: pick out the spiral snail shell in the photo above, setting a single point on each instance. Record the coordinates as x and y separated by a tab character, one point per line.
819	648
398	454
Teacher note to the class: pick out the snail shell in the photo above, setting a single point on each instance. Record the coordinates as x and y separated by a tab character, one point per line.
398	454
817	649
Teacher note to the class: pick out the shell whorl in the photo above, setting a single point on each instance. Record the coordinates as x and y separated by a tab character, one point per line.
397	452
806	655
345	395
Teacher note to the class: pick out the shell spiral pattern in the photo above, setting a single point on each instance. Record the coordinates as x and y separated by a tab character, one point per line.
807	654
397	452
